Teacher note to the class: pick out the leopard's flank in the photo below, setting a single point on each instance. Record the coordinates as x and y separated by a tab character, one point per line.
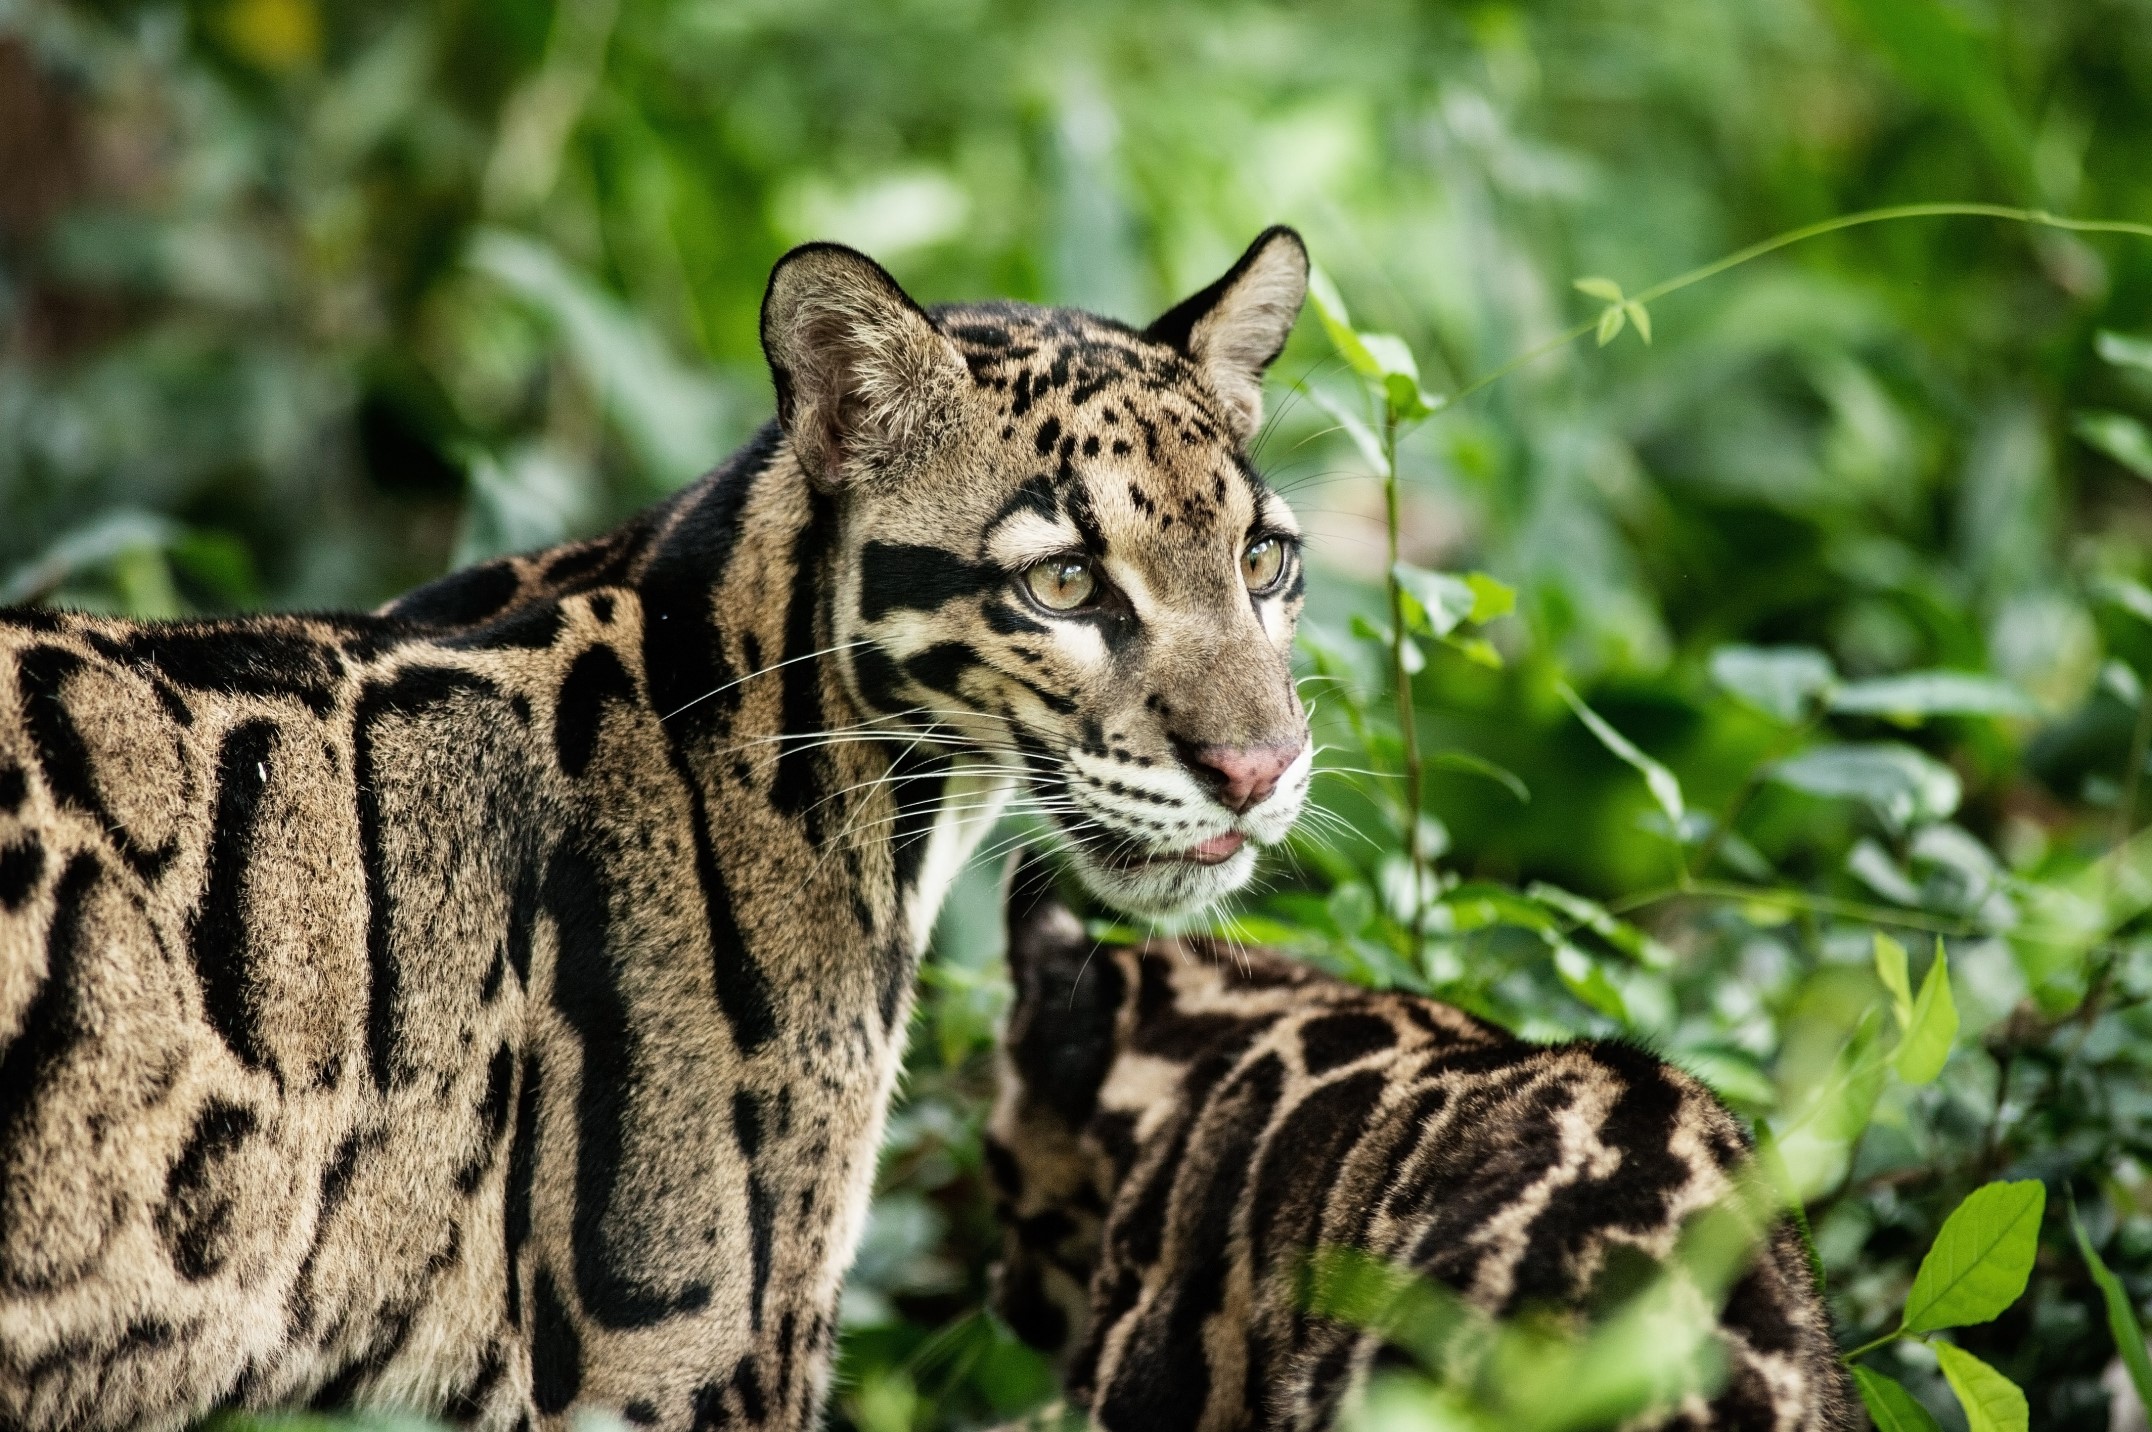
1180	1126
488	1006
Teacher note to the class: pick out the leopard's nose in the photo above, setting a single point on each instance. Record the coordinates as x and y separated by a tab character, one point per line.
1240	776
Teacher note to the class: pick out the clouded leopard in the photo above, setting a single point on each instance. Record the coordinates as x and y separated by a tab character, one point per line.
1180	1125
488	1005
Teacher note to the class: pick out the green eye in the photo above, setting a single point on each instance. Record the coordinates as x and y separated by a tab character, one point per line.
1263	564
1061	584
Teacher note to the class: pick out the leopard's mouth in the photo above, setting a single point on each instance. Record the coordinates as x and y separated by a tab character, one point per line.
1215	851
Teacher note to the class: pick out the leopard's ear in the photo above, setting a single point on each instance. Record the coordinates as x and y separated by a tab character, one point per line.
865	381
1237	327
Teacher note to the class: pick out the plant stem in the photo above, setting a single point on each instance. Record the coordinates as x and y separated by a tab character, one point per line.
1867	1347
1401	678
2140	744
2037	217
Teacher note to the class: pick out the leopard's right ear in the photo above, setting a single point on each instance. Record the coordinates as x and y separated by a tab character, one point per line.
865	381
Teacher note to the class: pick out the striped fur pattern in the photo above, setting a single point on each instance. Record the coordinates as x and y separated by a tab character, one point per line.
1180	1125
488	1006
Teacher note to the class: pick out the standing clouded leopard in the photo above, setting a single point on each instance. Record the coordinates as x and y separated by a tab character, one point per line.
1180	1125
489	1005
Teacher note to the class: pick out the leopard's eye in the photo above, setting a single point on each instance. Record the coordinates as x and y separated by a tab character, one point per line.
1263	564
1061	584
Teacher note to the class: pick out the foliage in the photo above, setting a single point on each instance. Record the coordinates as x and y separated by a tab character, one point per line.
1831	630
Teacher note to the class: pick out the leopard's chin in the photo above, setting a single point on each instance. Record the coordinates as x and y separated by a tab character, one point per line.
1164	886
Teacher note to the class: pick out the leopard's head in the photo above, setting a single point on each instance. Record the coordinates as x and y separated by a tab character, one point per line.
1057	556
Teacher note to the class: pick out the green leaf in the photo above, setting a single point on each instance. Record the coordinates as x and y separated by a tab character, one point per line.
2124	351
1892	1407
1337	325
2122	438
1641	317
1481	766
1583	977
1363	437
1476	649
1664	788
1596	287
1991	1401
2133	597
1933	1027
1443	600
1779	681
1980	1260
2122	1323
1902	784
1931	693
1491	597
1610	322
1891	969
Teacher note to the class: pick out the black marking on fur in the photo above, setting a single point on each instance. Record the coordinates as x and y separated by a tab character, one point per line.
761	1243
587	992
217	934
595	678
747	1122
195	1220
556	1349
22	865
460	598
940	665
14	787
793	788
532	627
492	1119
410	693
1334	1039
468	1402
1035	494
905	577
65	760
237	661
522	1169
747	1383
51	1026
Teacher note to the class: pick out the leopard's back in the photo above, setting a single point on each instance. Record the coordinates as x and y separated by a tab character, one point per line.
1181	1125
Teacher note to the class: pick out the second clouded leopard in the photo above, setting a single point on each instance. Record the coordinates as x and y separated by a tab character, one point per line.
489	1005
1181	1125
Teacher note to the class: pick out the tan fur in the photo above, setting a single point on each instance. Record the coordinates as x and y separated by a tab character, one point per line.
489	1006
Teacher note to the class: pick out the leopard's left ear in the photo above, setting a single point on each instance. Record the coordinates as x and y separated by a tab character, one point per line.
1236	327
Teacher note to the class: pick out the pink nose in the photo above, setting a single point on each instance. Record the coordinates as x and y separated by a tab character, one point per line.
1242	776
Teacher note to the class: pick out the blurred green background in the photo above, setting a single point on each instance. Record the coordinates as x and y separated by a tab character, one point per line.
304	302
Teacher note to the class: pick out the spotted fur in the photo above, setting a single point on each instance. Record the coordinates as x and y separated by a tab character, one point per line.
488	1006
1179	1126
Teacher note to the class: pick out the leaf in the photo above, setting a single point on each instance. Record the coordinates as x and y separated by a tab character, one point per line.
1476	649
1891	969
1596	287
1641	317
1980	1260
1481	766
1610	322
2122	1323
2124	351
1362	436
1893	1408
1779	681
1444	600
1931	693
1902	784
2122	438
2133	597
1664	788
1491	597
1992	1402
1337	325
1933	1027
1583	977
